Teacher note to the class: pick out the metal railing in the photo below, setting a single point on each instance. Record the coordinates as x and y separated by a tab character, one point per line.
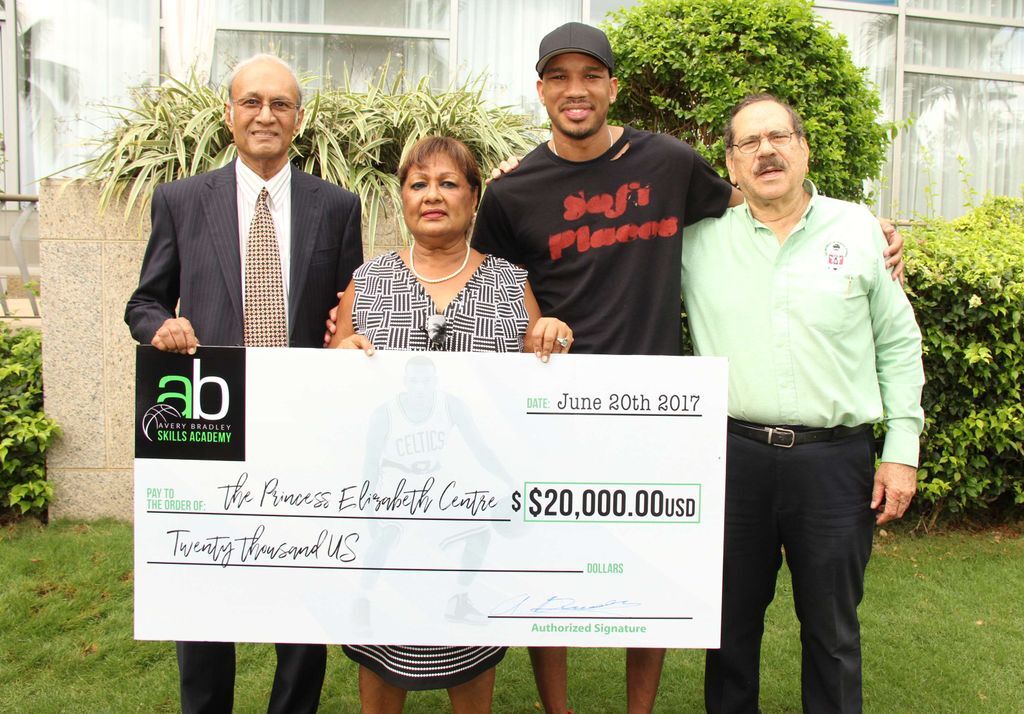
27	209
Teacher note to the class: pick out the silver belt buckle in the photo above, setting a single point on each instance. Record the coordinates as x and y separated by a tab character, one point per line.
772	431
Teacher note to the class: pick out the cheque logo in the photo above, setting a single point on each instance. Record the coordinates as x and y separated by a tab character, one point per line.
190	406
192	392
189	409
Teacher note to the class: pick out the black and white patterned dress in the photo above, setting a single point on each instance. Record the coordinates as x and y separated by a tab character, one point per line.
488	315
391	309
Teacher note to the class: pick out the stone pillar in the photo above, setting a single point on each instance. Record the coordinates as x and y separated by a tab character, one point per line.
89	263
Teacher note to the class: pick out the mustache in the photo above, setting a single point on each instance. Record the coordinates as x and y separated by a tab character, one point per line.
766	164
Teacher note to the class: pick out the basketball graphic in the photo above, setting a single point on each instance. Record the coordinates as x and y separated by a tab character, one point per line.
156	416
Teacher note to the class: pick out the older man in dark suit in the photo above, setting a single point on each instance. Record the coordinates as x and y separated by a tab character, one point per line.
251	254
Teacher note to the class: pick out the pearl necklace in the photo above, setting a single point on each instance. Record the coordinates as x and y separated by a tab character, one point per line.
412	266
611	143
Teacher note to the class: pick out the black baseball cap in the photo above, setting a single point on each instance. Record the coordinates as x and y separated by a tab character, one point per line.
576	37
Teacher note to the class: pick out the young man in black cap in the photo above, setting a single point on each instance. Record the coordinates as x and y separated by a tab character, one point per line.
596	217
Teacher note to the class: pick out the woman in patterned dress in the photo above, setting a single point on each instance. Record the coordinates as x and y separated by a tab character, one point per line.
439	294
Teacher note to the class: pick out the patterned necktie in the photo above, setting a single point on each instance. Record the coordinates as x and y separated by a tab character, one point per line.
265	323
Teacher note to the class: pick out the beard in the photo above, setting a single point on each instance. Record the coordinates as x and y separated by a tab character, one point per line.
578	132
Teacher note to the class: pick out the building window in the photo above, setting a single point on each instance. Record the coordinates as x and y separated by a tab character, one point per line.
1009	9
344	41
500	38
955	72
599	9
73	57
969	47
953	68
966	140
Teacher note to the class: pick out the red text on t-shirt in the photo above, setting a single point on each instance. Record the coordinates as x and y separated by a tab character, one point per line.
578	204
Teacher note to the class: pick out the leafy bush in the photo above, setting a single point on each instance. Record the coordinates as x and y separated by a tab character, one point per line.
25	432
683	64
353	139
966	281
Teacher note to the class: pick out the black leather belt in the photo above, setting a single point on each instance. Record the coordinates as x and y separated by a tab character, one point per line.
786	437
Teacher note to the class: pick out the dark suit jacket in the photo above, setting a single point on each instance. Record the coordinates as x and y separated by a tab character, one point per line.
193	256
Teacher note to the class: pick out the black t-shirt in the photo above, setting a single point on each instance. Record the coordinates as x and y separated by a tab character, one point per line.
602	239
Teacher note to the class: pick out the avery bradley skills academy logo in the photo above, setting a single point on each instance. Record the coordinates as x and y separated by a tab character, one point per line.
190	407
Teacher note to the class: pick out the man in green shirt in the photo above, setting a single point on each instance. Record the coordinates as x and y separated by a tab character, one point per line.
791	287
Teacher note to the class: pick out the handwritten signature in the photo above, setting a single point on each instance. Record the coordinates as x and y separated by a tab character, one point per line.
529	604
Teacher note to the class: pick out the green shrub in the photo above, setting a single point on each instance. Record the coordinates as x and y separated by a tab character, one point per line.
683	64
966	281
353	139
25	432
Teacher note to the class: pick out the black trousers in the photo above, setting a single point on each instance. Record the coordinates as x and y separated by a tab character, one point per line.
813	501
207	676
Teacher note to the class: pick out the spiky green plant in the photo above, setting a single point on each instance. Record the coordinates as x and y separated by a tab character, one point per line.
354	139
169	132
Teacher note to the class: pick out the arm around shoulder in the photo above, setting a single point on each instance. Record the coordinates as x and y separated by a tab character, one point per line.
493	232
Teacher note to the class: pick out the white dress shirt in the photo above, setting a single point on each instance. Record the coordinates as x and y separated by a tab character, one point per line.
279	188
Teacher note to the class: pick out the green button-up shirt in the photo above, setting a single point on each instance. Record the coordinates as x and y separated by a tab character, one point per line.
816	332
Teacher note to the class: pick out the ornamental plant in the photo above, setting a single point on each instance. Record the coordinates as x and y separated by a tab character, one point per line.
353	139
966	282
25	431
683	64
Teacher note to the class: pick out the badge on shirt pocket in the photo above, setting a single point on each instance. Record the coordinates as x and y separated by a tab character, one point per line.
835	255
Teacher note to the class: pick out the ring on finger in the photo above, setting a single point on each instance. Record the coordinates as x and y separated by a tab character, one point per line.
563	342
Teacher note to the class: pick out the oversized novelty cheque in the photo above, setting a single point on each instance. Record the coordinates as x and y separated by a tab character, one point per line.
429	498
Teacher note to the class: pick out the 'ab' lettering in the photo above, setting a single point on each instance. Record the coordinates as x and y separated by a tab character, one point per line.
192	403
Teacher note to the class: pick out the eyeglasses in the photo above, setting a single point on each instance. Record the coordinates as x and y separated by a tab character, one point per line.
778	139
253	105
436	329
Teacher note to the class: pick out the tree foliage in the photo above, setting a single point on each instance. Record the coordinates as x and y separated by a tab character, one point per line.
683	64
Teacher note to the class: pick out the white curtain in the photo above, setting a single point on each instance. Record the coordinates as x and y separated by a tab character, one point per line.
410	14
966	140
189	28
967	135
980	48
270	11
361	58
872	41
985	8
74	56
501	37
599	9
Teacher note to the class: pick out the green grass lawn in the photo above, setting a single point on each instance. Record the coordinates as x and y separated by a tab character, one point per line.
943	631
